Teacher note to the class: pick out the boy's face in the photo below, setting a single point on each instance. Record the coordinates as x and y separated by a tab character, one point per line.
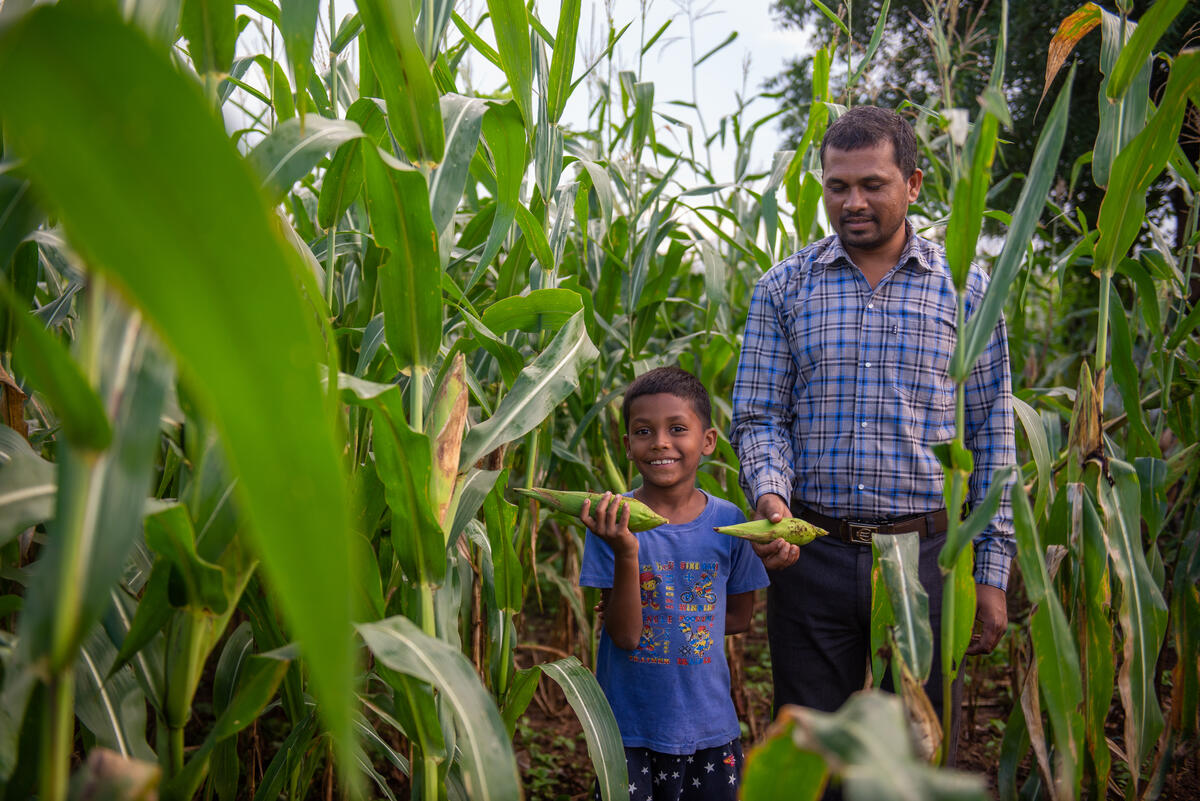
666	439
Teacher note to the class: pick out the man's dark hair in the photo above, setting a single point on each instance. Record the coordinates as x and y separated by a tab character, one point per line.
867	126
670	381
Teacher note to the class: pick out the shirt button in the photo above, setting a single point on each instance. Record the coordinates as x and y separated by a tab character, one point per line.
870	305
864	423
860	486
868	364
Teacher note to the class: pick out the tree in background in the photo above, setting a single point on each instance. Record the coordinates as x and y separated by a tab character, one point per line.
906	68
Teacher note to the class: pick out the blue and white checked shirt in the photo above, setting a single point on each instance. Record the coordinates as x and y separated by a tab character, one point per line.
841	389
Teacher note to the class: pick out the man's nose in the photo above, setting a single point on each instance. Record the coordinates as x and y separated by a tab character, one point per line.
856	198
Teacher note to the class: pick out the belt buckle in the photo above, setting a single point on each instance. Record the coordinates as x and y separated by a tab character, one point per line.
862	533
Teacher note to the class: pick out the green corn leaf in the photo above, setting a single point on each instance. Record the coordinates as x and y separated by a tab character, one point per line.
506	142
209	27
643	120
224	766
414	112
959	601
295	748
111	705
562	64
18	216
194	583
462	118
1035	435
27	486
1032	201
1143	612
1141	441
776	768
258	683
298	24
542	385
295	147
402	457
344	178
52	371
510	21
882	619
435	16
898	556
1137	164
130	204
410	280
1137	50
1120	121
1059	677
489	767
1099	667
970	200
535	237
500	517
599	726
281	90
540	310
348	30
98	508
872	46
476	41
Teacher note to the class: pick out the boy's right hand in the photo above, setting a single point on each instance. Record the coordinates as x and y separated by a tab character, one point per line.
776	554
610	522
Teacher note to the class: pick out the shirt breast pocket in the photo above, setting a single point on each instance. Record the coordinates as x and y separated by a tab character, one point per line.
920	345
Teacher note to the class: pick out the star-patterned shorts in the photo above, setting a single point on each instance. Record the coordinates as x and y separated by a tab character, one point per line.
712	774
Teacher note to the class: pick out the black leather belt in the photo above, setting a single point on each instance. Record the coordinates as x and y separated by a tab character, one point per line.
861	531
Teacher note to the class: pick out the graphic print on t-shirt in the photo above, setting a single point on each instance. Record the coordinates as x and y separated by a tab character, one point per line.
678	604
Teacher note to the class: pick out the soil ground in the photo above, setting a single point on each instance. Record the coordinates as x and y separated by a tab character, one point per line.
552	753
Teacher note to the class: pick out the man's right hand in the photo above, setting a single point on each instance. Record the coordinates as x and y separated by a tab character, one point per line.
775	554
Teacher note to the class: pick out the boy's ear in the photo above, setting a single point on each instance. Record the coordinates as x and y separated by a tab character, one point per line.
625	441
710	441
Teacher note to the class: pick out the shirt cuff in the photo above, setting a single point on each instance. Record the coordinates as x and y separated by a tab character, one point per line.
992	564
772	484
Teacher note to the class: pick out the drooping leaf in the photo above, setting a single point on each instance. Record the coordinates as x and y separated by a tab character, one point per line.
294	147
539	389
1070	31
489	767
540	310
599	726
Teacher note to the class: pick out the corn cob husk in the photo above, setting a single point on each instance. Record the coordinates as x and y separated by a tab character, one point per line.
790	529
641	516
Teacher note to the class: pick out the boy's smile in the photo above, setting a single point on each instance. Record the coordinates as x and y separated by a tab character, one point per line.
666	441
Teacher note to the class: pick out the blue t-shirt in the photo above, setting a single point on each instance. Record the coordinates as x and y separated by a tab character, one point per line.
672	694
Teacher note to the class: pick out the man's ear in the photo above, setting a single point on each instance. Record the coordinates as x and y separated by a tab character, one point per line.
914	185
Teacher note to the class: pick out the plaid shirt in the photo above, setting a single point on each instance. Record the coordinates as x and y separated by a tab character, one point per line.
841	389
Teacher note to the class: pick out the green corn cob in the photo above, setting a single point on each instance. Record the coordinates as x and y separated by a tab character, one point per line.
790	529
641	516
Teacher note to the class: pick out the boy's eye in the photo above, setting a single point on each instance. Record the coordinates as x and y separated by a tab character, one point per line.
678	429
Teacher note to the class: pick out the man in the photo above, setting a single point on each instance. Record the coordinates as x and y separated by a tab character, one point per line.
841	389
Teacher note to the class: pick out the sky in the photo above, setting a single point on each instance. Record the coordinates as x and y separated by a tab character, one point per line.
760	51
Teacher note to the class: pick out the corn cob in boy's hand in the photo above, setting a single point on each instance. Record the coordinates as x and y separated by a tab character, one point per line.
790	529
641	516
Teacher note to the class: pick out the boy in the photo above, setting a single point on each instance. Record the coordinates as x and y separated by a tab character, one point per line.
670	595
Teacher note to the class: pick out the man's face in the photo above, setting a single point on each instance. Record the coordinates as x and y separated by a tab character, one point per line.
866	196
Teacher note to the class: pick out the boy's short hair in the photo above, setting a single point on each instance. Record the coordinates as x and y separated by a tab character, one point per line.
866	126
671	381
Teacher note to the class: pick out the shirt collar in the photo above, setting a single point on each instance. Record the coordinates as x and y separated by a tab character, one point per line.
918	251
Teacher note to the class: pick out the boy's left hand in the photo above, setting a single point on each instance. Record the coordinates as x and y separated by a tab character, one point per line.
610	522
